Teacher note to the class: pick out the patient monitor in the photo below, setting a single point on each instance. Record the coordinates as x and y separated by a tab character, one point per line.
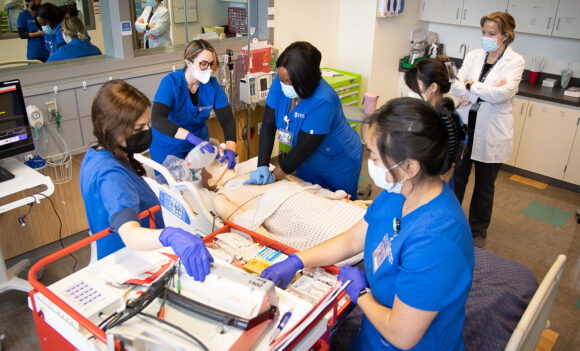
254	87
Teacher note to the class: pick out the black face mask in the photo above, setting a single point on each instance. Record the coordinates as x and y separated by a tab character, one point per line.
138	142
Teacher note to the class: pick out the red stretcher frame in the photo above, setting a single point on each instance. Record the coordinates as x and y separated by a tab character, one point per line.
52	340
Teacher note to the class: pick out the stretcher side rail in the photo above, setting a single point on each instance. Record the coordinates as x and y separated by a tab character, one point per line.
260	239
38	287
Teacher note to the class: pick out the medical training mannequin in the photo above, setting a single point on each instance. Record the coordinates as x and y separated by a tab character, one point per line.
113	190
28	29
77	44
233	199
155	22
416	241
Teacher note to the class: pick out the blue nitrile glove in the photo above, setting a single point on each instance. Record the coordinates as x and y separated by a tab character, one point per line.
229	155
261	176
282	273
195	141
358	281
190	249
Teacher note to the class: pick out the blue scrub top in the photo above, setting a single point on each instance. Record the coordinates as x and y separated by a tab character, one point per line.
36	49
429	267
76	48
110	187
336	163
174	92
51	40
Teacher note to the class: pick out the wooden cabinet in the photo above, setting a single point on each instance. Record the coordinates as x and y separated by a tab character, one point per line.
519	110
464	12
572	173
567	19
547	138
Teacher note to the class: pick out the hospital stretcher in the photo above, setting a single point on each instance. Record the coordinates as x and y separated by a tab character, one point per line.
60	326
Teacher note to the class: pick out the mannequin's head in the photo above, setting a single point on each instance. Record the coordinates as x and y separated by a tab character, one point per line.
216	174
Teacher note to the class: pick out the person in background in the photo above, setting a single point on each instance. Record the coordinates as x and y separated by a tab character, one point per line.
486	85
155	22
418	251
429	79
29	29
70	10
182	106
307	113
77	45
14	7
113	190
50	16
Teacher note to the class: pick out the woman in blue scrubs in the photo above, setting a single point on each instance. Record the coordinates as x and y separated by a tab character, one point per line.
78	45
50	16
182	106
112	188
28	29
307	112
418	250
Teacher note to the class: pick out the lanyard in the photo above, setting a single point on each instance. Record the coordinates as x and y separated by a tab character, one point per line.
482	75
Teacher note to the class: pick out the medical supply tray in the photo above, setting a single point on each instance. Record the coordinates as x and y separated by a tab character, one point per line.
51	339
346	85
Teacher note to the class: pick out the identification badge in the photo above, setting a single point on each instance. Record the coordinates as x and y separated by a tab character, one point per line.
285	138
474	107
382	252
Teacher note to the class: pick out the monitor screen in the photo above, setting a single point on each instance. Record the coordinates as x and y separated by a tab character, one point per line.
264	84
15	132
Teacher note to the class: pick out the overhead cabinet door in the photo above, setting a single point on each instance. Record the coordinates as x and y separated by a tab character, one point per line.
442	11
534	16
568	19
473	10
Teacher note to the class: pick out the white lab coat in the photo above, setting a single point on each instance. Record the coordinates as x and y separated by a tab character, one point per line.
162	28
493	139
14	7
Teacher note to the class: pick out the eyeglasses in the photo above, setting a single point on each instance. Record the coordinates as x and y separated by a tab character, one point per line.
395	166
204	64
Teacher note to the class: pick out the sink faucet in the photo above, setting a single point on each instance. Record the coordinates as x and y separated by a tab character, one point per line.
464	47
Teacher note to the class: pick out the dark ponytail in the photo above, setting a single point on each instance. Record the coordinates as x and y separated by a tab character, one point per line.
411	128
455	132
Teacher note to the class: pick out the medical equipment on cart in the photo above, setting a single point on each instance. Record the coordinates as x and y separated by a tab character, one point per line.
254	87
185	205
66	312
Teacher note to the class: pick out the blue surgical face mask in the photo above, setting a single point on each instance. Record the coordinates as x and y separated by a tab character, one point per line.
47	30
489	44
289	91
379	177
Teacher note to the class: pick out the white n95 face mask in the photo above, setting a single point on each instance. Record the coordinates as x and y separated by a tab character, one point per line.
379	177
201	76
289	91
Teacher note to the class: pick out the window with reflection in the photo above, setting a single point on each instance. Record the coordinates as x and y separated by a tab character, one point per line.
165	23
34	30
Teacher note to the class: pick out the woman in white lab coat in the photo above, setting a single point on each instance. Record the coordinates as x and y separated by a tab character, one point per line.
155	22
486	85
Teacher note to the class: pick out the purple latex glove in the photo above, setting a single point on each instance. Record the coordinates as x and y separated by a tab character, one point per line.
190	249
230	156
358	281
282	272
196	141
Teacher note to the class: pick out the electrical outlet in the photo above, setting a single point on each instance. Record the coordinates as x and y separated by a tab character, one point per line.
51	106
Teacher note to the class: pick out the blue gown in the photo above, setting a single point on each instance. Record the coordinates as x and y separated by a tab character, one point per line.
35	46
51	40
113	195
336	163
174	93
428	265
76	48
